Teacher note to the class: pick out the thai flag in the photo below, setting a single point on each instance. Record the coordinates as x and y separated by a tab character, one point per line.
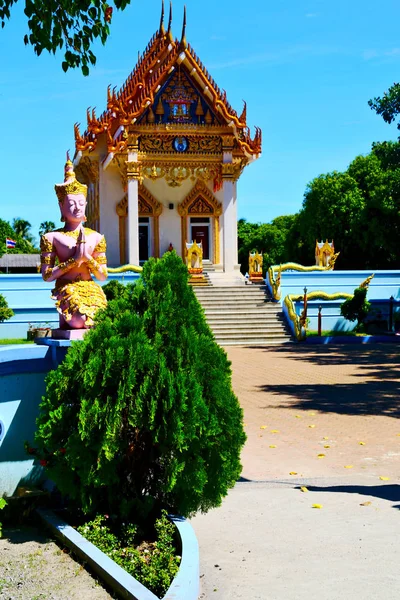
10	243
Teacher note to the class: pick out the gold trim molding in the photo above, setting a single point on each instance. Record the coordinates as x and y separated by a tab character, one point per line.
134	170
232	171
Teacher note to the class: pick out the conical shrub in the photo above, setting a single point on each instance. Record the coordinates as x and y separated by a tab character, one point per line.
141	413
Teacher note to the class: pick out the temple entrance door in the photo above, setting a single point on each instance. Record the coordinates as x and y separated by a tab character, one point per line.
144	238
201	233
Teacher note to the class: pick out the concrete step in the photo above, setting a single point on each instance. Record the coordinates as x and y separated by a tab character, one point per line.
240	288
239	303
233	298
214	321
257	343
253	310
262	328
251	334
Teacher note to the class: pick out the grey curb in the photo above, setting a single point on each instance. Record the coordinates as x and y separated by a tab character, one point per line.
185	586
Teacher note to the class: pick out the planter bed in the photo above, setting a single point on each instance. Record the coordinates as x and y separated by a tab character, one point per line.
185	585
356	339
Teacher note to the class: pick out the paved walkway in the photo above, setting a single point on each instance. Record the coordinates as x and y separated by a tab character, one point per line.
267	541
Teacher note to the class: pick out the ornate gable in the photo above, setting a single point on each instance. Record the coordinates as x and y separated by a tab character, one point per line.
201	202
169	86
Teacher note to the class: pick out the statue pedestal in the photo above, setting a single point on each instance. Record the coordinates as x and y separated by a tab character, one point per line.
68	334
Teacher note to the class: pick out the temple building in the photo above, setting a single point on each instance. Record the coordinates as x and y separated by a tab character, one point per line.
163	160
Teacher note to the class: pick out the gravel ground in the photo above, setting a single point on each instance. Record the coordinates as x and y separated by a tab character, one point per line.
33	567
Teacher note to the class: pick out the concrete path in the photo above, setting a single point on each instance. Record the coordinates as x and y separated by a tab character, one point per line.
267	541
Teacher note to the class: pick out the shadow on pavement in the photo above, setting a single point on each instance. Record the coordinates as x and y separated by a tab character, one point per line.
363	398
385	492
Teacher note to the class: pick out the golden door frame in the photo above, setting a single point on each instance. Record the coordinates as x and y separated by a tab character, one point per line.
201	202
148	206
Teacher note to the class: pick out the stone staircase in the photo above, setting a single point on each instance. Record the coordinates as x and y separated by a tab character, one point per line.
243	315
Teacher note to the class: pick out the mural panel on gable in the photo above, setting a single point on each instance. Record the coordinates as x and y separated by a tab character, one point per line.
179	102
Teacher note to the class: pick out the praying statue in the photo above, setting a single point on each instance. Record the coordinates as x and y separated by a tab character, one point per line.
70	256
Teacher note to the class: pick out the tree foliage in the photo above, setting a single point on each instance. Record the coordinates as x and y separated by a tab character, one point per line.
357	307
388	106
141	414
72	25
22	227
359	209
270	239
22	246
5	311
45	227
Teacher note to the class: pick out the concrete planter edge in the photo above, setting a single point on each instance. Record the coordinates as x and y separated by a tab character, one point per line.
185	585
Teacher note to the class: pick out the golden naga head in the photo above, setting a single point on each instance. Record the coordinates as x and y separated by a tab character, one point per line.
70	186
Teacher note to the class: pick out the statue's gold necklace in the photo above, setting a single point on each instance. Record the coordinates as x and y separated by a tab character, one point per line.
74	234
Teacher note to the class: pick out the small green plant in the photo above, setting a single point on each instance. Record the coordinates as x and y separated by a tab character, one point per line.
114	290
5	311
154	564
357	307
3	504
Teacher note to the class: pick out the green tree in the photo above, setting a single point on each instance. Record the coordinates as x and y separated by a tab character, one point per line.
45	227
5	311
270	239
70	24
22	228
331	209
22	246
388	106
357	307
141	414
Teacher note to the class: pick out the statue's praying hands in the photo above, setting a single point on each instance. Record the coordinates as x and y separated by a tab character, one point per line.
71	255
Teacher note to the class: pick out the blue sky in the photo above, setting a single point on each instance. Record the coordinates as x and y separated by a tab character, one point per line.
305	68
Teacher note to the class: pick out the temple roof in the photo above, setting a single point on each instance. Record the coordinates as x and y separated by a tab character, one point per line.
163	56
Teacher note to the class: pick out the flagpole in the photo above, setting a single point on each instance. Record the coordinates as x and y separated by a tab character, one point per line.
6	260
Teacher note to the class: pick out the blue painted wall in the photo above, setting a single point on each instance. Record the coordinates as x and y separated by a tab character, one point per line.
384	285
22	373
30	298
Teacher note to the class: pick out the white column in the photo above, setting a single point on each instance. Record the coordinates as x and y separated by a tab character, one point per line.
229	226
133	211
230	244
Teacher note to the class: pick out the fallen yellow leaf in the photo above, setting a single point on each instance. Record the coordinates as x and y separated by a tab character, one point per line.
383	478
366	503
311	426
304	489
327	446
348	466
321	455
298	416
293	473
274	431
312	414
317	505
325	438
272	446
263	427
362	443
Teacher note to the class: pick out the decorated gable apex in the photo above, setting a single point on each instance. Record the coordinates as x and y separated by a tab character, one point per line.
168	87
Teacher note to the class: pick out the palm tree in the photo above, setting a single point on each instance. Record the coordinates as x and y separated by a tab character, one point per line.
21	228
45	227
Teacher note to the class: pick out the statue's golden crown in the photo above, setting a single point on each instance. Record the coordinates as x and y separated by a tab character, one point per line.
70	185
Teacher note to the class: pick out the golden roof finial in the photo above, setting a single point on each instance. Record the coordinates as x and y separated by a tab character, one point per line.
169	32
161	30
183	44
